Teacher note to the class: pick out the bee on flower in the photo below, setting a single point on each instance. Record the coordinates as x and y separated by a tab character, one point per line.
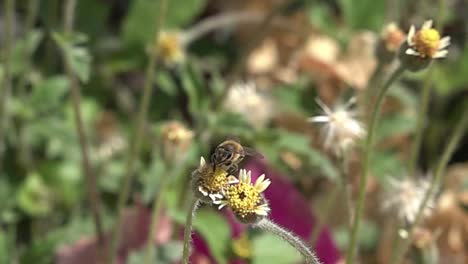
422	46
208	182
341	129
245	199
404	197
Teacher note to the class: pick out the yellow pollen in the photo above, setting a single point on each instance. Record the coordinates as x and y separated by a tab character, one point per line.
427	41
243	198
215	182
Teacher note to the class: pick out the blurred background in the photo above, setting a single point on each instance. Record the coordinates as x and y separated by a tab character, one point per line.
101	120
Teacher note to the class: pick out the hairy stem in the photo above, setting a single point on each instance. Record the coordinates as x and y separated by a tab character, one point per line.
138	136
188	230
293	240
420	123
90	178
438	172
365	167
5	87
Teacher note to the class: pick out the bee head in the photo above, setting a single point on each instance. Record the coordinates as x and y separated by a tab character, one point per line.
222	154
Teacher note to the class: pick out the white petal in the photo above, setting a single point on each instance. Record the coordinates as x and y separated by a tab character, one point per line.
202	162
259	180
202	190
223	203
410	36
232	179
444	42
412	52
243	175
324	107
249	177
427	24
319	119
440	54
263	186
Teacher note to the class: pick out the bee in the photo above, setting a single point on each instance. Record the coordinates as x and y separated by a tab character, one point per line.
230	153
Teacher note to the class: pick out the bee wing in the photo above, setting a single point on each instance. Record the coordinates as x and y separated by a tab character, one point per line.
252	152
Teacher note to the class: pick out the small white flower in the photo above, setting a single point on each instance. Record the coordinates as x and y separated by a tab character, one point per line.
341	128
245	99
426	42
405	197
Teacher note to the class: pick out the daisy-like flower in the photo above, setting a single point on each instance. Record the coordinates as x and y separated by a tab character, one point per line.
341	126
405	197
245	199
389	43
422	46
245	99
176	140
171	47
208	182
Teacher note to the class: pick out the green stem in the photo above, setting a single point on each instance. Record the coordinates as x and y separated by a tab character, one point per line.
25	153
5	87
138	136
90	178
438	172
158	198
293	240
420	123
188	231
365	167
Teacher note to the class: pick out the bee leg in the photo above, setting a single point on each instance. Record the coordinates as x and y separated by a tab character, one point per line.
233	168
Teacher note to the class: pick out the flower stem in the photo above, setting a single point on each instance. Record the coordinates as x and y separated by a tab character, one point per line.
438	172
5	87
420	123
293	240
365	167
137	139
188	230
90	178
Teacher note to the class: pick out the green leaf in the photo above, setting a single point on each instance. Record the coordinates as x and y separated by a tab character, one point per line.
23	50
364	14
140	25
49	93
268	248
34	197
76	55
397	124
301	145
216	232
386	163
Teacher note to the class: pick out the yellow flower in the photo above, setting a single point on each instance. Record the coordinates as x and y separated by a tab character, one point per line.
426	42
245	199
170	47
209	182
392	36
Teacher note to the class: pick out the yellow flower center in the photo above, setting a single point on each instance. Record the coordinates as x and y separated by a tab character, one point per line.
427	41
243	198
169	47
214	182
